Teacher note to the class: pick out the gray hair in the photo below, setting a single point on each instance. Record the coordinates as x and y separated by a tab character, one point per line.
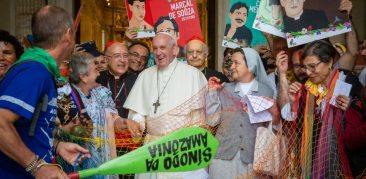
79	64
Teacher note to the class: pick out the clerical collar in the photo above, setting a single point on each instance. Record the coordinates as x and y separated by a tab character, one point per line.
115	76
298	17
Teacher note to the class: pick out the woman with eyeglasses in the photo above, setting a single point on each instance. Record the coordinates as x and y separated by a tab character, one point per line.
316	143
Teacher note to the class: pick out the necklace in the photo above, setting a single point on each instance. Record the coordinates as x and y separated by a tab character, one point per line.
157	104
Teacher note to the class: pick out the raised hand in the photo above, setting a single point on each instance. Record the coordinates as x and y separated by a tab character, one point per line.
214	84
282	62
130	33
345	5
294	91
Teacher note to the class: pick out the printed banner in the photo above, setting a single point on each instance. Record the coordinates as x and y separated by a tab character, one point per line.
310	20
139	18
239	30
269	18
178	17
187	149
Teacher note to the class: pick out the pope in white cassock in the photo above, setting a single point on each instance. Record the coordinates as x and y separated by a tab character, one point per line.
155	101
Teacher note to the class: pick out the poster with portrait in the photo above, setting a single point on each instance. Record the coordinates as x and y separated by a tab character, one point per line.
310	20
239	31
178	17
269	18
139	18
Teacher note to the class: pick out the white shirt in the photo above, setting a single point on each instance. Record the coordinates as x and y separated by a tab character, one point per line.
245	87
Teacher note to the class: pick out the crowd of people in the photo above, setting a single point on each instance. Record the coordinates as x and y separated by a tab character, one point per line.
64	108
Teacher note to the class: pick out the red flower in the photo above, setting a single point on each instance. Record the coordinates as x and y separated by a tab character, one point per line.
310	28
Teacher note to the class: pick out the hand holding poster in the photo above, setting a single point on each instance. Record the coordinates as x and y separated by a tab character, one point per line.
238	30
269	18
310	20
187	149
139	16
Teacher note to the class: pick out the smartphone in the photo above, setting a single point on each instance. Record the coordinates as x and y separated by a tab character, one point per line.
88	46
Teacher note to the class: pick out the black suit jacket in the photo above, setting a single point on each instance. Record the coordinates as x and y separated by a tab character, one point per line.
210	73
125	82
309	18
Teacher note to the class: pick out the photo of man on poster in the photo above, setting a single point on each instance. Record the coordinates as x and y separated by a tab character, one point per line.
138	12
237	29
297	18
168	25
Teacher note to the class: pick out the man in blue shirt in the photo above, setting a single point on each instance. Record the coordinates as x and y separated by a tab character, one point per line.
26	151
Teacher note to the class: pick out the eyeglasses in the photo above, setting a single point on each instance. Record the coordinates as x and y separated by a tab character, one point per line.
117	56
192	52
298	66
137	56
99	62
312	67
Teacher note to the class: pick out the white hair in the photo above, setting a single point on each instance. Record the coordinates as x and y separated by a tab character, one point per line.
172	40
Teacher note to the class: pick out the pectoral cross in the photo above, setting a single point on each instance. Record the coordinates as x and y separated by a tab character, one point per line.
156	105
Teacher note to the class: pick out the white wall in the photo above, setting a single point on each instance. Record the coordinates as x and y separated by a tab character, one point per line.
222	8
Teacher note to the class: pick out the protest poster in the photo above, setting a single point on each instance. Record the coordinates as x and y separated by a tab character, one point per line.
180	18
310	20
139	18
187	149
239	31
269	18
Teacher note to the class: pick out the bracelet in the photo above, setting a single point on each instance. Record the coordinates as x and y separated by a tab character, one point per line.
32	165
40	163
